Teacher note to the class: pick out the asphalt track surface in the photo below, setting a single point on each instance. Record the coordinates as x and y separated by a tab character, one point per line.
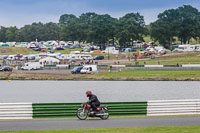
56	124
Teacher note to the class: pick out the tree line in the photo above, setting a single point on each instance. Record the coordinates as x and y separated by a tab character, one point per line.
182	23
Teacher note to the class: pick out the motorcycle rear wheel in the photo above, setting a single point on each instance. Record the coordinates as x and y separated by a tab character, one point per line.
104	117
82	115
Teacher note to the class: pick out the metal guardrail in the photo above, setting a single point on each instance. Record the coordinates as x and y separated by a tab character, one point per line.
56	110
16	111
52	110
173	107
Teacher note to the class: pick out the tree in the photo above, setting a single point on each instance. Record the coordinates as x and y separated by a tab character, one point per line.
131	27
52	31
163	29
11	34
84	24
102	29
69	31
67	18
182	22
189	19
33	32
3	34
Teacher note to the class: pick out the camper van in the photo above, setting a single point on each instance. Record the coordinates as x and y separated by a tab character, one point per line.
31	66
89	69
186	48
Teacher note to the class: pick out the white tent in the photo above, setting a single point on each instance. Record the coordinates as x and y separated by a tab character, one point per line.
49	61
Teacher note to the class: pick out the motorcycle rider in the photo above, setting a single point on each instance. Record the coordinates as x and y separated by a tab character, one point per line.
93	101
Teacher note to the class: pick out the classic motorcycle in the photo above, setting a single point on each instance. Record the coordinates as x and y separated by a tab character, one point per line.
87	111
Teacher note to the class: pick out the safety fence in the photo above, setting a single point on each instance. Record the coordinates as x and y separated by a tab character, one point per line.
62	110
16	111
50	110
173	107
138	67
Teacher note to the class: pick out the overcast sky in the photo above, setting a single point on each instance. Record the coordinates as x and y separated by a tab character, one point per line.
21	12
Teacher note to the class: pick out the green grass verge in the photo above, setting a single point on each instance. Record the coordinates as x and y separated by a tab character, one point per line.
16	50
172	59
169	75
186	129
26	51
148	75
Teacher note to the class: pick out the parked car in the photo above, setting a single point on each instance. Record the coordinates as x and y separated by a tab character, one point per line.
59	48
98	57
76	70
42	50
37	49
71	61
6	68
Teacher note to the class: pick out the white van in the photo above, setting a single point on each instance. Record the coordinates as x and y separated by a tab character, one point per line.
89	69
31	66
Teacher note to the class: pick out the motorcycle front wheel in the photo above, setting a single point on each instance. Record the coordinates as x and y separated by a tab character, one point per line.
82	115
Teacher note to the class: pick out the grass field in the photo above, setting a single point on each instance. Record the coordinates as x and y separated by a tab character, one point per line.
171	75
173	59
149	75
16	50
26	51
186	129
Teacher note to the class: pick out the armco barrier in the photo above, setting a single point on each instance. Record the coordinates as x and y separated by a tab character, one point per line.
173	107
50	110
16	111
191	65
47	110
56	110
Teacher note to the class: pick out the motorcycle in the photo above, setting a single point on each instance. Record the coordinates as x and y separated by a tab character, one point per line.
87	111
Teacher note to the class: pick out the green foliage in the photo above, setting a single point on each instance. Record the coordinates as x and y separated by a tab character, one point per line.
67	18
39	31
183	22
3	34
11	34
131	27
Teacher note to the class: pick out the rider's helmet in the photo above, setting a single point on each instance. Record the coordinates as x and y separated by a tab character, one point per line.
88	93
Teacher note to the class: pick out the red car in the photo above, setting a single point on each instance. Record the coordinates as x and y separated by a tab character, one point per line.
42	50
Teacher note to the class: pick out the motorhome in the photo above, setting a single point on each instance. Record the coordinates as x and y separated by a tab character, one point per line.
77	57
186	48
197	47
89	69
31	66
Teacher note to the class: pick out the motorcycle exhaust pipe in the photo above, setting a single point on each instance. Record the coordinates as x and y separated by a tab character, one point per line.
102	114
